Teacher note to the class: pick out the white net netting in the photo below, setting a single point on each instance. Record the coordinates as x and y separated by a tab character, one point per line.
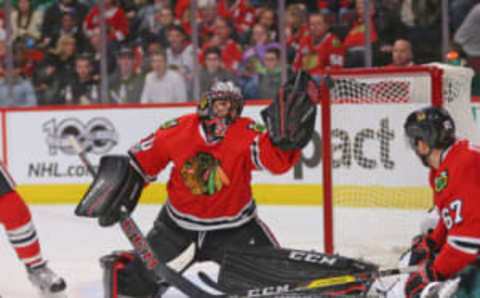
375	175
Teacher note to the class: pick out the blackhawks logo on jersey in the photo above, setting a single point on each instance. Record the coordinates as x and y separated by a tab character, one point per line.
168	124
203	174
257	127
336	43
441	181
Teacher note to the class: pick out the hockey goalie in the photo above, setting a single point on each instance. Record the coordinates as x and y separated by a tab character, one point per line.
210	203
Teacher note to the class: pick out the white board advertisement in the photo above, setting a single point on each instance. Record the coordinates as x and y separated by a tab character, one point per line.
367	141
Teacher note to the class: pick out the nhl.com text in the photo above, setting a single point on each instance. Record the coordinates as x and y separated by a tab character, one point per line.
56	169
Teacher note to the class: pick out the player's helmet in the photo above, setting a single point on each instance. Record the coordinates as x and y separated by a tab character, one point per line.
221	90
433	125
214	126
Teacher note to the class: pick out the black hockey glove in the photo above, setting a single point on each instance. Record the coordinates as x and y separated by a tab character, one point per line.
418	280
423	249
290	119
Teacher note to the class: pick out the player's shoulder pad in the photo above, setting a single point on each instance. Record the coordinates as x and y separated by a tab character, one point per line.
256	127
175	122
336	42
169	124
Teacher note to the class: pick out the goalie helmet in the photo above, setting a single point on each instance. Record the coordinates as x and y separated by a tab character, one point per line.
215	126
221	91
433	125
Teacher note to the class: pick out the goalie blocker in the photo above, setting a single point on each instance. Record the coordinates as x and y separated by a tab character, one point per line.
117	184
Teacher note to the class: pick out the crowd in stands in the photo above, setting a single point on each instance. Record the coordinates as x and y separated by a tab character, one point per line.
150	57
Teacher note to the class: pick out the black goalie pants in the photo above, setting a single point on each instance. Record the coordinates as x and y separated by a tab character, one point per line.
168	240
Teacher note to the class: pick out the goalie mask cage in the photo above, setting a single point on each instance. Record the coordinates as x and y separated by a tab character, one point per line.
367	166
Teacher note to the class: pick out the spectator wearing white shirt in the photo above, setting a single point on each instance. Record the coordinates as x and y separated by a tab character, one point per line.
162	84
180	54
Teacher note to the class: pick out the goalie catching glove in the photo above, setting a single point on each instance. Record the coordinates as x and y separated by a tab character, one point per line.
116	185
290	119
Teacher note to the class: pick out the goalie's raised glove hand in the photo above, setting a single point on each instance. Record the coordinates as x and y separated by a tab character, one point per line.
290	119
423	249
418	280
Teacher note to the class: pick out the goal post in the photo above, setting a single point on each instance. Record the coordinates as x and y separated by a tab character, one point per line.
366	166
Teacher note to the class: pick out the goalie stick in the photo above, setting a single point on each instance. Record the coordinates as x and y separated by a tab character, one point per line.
316	284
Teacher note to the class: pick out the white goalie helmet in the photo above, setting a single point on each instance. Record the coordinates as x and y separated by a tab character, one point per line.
227	86
221	90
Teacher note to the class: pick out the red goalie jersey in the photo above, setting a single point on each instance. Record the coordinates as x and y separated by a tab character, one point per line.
209	185
456	187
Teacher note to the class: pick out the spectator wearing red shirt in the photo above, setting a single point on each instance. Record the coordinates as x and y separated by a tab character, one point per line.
26	56
295	28
320	49
354	42
116	21
208	14
240	11
356	36
402	54
3	32
231	51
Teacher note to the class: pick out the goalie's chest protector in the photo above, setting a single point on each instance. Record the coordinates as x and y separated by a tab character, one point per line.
209	184
456	188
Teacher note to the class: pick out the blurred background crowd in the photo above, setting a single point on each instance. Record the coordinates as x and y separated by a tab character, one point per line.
64	52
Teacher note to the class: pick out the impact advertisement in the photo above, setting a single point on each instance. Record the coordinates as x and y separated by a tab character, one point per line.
370	143
369	150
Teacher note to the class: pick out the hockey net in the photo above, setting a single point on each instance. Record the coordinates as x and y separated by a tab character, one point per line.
375	189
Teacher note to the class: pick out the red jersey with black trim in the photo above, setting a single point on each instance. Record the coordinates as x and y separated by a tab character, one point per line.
209	185
114	17
456	188
241	12
296	37
356	36
314	58
231	53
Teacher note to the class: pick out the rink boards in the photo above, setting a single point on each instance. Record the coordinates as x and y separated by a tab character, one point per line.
372	164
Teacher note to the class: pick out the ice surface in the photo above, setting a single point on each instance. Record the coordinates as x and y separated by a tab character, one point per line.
73	245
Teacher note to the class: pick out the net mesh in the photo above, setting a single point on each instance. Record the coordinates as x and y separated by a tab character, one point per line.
373	168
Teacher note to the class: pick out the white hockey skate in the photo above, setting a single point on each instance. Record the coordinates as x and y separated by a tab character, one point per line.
445	289
47	281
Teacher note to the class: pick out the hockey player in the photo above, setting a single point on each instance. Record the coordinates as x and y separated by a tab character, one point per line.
452	248
210	201
17	220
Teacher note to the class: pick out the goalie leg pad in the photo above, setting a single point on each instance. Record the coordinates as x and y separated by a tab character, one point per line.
132	277
123	275
257	267
116	184
111	265
254	233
